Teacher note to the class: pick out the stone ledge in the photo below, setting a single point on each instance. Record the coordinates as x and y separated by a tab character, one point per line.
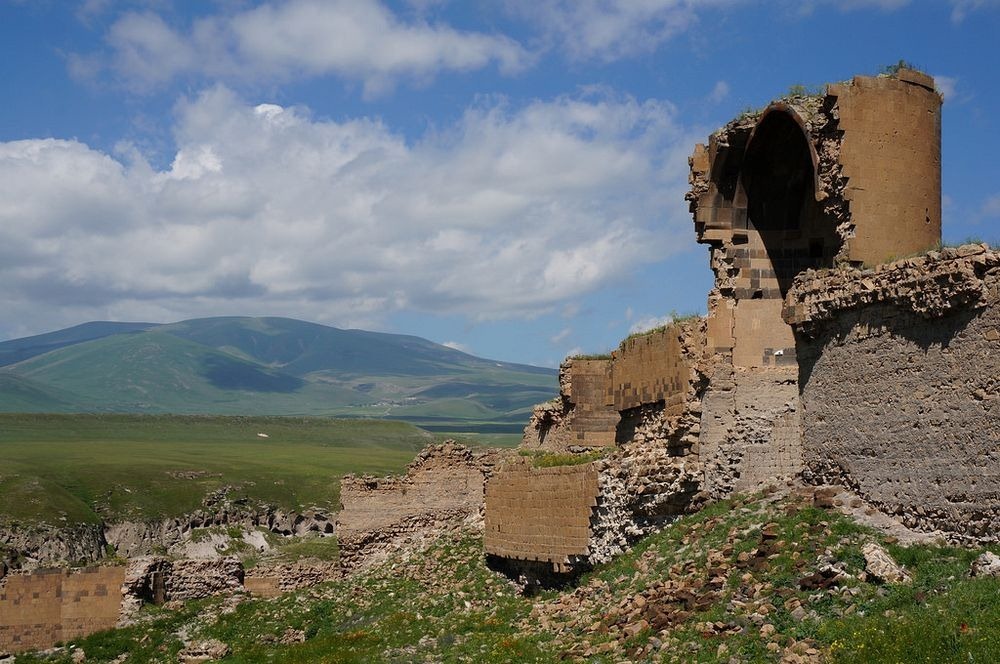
932	285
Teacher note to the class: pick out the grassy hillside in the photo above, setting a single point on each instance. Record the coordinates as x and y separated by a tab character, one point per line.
272	366
17	350
719	586
79	468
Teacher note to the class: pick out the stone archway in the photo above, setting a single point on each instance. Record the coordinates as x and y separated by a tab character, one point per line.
779	182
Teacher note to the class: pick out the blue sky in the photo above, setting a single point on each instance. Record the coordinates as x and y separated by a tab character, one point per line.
506	176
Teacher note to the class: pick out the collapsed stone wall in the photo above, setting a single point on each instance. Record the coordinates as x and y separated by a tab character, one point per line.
40	608
583	416
900	390
444	484
155	580
571	517
273	579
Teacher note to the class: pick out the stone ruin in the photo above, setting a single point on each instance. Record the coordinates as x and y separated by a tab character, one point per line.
841	345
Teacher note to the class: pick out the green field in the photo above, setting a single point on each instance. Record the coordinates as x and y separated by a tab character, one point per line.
83	468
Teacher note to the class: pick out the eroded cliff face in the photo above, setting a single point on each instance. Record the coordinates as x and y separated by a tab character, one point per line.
39	545
900	388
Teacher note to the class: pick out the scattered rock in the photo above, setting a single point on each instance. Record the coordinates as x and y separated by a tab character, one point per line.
203	651
292	635
988	564
880	565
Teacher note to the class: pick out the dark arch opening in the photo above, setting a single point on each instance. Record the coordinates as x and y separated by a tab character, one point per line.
778	176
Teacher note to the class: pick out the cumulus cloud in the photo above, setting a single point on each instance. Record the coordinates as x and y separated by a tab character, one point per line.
508	213
356	39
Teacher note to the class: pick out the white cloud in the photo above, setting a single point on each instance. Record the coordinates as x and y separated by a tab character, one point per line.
649	323
612	29
454	345
508	213
719	92
358	40
991	208
946	85
561	336
962	8
808	6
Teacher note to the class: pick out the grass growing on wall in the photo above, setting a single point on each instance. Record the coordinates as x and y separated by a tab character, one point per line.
541	459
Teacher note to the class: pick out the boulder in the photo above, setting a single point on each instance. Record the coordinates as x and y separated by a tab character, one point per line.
881	566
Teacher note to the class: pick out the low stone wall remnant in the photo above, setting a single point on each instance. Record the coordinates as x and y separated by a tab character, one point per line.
444	484
40	608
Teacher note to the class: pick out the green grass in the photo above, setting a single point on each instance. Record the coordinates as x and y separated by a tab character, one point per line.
542	459
80	468
442	604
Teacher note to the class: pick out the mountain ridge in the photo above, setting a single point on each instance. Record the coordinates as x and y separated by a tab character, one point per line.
266	365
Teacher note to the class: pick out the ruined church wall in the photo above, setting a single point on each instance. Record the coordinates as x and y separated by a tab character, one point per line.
900	389
40	608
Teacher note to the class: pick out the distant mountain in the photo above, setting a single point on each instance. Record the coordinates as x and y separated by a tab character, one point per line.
266	366
16	350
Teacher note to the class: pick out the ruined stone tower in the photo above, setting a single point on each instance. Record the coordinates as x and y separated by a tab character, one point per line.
814	210
853	176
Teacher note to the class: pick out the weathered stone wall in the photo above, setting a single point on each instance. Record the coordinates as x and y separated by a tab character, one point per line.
540	514
749	432
574	516
39	608
445	483
583	414
900	388
273	579
651	368
596	395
